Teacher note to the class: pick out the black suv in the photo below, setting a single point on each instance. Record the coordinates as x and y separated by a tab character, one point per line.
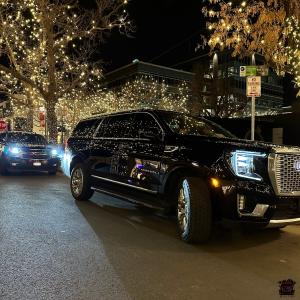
173	161
25	151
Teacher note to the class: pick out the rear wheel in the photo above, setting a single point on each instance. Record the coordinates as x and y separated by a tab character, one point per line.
194	210
80	183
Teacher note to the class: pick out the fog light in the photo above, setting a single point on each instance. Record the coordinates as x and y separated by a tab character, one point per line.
241	201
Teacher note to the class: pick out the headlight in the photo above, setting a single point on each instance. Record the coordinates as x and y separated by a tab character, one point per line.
54	152
244	164
14	150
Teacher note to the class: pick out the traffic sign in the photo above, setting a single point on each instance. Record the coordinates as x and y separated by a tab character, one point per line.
246	71
254	86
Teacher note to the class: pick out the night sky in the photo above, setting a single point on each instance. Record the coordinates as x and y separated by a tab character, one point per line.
160	26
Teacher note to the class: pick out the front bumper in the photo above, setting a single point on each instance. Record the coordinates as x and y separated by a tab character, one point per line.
19	164
252	202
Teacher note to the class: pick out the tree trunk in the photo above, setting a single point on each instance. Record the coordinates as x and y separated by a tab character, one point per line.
51	120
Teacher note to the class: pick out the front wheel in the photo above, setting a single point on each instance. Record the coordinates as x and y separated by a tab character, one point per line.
194	210
52	173
3	169
80	183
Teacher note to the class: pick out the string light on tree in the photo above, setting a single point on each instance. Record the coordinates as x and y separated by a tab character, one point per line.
270	28
48	46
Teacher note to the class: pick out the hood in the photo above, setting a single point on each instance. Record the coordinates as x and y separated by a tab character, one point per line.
235	143
25	145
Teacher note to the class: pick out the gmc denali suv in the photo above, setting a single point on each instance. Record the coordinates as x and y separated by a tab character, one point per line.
26	151
190	165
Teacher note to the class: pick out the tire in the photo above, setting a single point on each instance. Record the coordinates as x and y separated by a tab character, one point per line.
194	210
3	169
80	189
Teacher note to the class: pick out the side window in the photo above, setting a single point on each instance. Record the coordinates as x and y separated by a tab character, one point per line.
116	127
2	137
145	125
85	128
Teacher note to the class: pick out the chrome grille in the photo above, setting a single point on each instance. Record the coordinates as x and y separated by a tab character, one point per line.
35	153
287	173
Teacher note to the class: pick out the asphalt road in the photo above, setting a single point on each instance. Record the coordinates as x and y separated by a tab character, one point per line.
52	247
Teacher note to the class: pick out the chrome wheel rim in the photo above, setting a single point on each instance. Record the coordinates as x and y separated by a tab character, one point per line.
77	182
183	209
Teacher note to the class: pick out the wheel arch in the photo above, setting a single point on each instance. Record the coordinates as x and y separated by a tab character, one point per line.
179	171
75	160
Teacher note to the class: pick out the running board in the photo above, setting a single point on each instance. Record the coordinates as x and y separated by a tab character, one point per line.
126	198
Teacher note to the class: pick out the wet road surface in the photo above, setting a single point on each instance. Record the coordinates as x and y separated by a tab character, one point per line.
52	247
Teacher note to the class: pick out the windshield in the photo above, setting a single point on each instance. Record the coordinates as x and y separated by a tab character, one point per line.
187	125
25	138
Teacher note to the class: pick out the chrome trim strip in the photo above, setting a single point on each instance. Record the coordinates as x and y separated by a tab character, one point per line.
125	184
124	198
283	222
258	212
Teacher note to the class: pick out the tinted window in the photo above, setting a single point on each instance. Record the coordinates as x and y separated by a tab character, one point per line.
117	127
85	128
145	123
26	138
187	125
2	137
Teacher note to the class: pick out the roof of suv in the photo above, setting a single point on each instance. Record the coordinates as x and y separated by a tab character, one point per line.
128	111
22	132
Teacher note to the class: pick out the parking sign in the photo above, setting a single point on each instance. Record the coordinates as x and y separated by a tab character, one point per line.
254	86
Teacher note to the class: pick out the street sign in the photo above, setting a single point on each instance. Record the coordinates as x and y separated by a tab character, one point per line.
3	125
254	86
246	71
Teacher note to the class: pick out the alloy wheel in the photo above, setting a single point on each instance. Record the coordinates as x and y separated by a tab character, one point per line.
183	208
77	181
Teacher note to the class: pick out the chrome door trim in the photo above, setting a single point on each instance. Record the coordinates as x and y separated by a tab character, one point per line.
125	184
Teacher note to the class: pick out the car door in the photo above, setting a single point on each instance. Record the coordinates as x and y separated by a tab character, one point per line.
101	150
147	153
110	148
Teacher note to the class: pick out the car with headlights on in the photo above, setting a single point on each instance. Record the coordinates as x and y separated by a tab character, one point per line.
188	165
26	151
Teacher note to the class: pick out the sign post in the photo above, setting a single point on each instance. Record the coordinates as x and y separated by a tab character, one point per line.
253	91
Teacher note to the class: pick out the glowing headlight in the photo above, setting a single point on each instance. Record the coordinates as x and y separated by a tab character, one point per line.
54	152
14	150
243	164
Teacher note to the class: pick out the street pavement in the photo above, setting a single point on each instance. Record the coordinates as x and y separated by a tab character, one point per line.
52	247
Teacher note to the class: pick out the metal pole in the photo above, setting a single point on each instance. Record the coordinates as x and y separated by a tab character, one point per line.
253	119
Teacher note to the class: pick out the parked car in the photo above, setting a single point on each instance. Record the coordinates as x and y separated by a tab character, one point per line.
25	151
174	161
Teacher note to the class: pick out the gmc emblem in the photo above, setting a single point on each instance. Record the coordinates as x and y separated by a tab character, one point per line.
297	165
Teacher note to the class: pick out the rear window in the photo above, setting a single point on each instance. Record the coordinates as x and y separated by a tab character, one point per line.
117	127
85	128
26	138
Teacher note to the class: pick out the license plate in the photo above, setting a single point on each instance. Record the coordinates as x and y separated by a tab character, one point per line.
37	164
